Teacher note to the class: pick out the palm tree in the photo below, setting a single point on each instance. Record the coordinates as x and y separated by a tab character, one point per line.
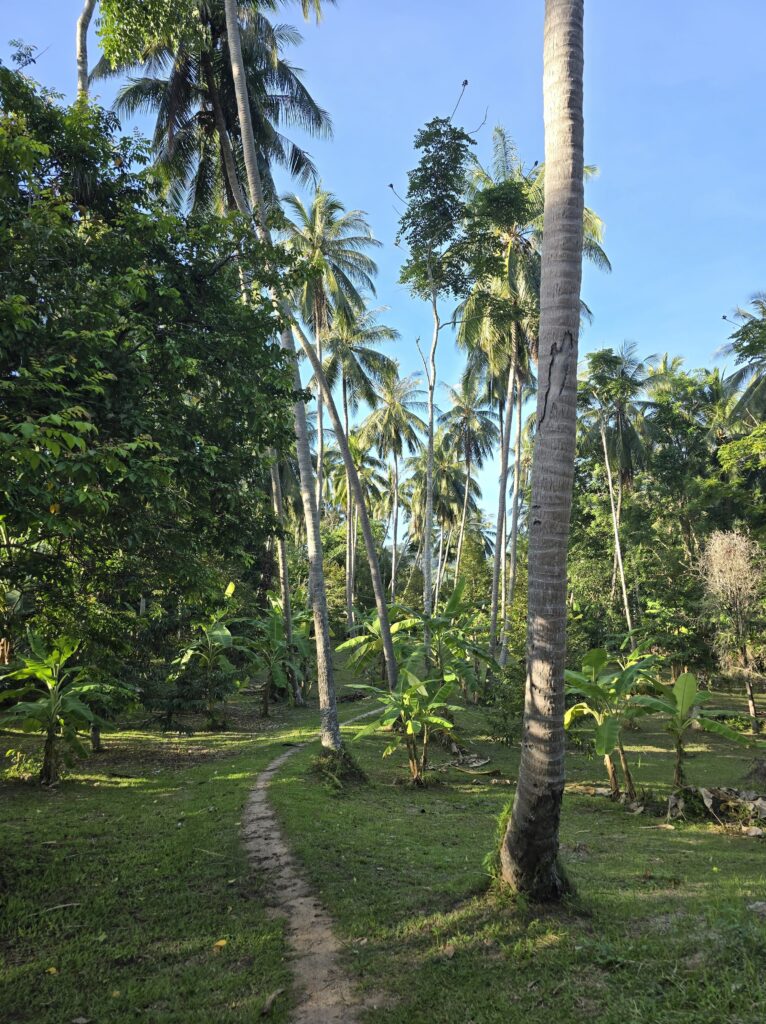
529	852
332	242
610	393
393	425
353	360
81	41
471	428
749	347
189	89
328	712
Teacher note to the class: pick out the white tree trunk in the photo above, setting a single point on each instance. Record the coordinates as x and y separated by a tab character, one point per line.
499	559
529	853
81	46
514	525
617	545
430	368
395	528
463	516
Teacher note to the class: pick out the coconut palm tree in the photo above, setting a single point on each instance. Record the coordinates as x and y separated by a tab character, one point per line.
471	428
749	347
354	362
189	89
395	424
529	851
610	394
332	241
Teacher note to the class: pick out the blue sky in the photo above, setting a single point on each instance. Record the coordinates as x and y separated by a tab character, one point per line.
675	95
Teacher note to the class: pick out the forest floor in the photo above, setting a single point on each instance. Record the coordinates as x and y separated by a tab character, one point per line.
127	895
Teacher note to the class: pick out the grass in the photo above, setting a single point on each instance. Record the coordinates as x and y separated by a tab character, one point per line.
117	886
659	929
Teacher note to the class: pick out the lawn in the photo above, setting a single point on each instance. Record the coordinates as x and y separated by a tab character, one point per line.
126	895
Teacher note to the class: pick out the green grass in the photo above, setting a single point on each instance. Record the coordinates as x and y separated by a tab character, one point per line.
124	877
659	930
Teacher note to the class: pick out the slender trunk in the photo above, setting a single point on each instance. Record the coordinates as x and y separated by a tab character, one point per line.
284	578
529	853
630	787
499	560
429	511
439	566
49	772
617	545
611	771
395	527
514	526
678	773
227	154
503	606
613	589
354	538
328	712
349	506
81	47
318	329
464	514
364	519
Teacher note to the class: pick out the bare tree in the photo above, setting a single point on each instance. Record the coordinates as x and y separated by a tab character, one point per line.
733	570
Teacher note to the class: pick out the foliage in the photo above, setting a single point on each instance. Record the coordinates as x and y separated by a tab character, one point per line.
134	435
128	28
683	704
414	709
54	699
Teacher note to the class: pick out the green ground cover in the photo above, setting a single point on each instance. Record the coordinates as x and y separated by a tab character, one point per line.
117	885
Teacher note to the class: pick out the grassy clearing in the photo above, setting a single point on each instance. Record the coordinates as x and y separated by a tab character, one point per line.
659	929
117	885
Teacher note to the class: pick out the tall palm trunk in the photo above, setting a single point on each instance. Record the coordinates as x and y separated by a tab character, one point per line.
499	559
442	564
318	329
464	514
328	712
529	852
514	525
284	577
439	565
349	507
81	46
617	544
364	519
619	518
395	527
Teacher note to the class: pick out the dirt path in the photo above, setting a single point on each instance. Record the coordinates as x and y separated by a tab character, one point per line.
326	994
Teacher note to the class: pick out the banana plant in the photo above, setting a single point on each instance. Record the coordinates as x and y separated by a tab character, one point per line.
53	699
607	686
275	657
365	650
682	703
414	708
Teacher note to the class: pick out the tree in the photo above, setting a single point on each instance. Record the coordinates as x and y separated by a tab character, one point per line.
733	571
81	42
433	228
353	361
748	344
610	391
470	427
332	241
529	852
393	425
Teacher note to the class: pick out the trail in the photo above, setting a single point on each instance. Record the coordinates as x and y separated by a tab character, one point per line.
326	994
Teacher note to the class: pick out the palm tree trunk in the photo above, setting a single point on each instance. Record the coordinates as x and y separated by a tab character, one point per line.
328	712
395	529
514	525
81	47
227	154
364	519
499	559
619	517
284	578
318	328
349	507
464	514
443	566
439	566
529	853
354	537
617	545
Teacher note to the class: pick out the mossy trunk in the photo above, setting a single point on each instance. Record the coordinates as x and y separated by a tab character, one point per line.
95	739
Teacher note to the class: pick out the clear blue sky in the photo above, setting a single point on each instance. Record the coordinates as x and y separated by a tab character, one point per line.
675	96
